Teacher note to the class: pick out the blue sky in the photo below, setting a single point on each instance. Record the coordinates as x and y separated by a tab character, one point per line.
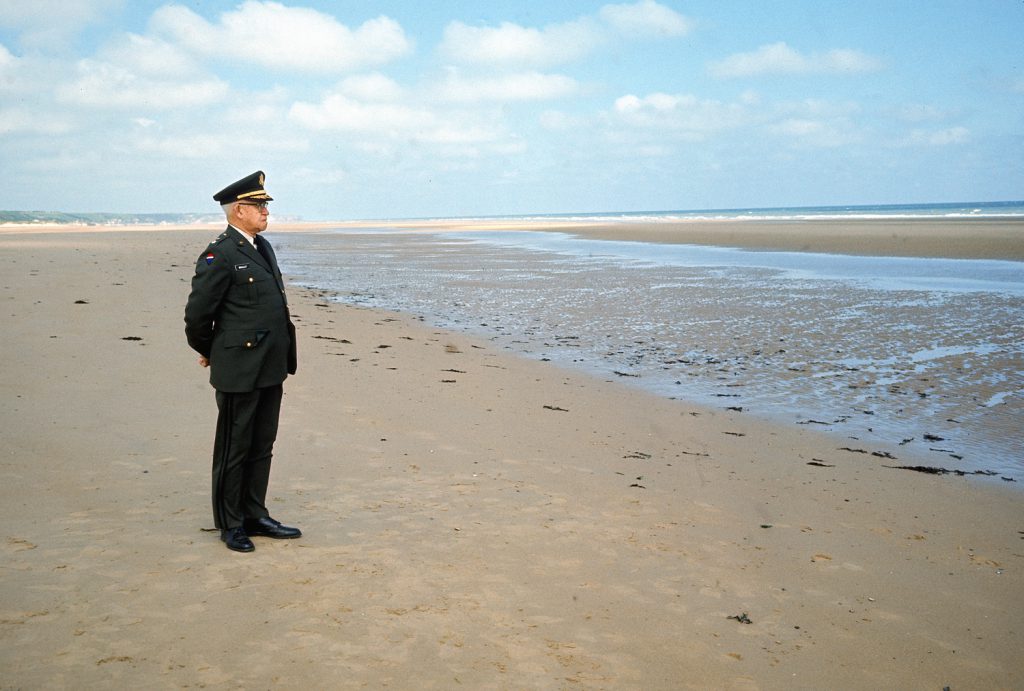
402	109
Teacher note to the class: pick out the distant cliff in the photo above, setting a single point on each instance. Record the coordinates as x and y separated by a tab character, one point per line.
107	219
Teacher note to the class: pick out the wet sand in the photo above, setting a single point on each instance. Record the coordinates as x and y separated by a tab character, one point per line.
953	238
925	366
950	238
471	518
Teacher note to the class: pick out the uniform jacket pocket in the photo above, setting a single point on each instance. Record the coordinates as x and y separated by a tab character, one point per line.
249	283
244	338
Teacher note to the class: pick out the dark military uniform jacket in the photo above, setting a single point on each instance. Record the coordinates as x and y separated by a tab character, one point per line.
237	315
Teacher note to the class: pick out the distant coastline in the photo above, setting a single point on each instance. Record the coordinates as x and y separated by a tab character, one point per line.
104	219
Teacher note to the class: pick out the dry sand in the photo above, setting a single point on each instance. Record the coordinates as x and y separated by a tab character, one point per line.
471	520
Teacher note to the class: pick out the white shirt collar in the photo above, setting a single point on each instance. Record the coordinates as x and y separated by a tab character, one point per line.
250	238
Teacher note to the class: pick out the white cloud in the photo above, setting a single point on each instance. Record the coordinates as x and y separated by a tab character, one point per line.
48	23
197	146
204	146
141	72
846	60
8	67
512	44
24	75
818	108
318	176
660	118
65	159
455	132
750	97
645	18
21	14
681	114
105	85
817	133
23	121
255	114
273	36
149	56
338	112
527	86
944	137
371	87
779	58
560	121
376	127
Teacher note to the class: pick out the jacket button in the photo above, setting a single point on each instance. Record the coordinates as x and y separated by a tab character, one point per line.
251	279
248	344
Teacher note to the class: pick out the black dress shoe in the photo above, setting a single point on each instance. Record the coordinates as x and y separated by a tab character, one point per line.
236	539
268	527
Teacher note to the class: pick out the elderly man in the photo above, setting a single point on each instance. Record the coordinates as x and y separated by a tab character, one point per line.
237	320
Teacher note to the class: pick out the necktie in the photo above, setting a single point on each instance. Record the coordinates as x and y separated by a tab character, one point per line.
261	247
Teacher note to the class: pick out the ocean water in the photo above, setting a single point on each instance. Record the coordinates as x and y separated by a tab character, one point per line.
994	210
886	354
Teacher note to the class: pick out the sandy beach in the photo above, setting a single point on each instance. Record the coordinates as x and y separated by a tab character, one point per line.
471	519
954	238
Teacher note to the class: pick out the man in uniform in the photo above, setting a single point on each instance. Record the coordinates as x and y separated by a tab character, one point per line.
237	320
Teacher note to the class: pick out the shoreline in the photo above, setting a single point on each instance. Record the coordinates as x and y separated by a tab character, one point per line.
857	383
925	238
470	517
951	238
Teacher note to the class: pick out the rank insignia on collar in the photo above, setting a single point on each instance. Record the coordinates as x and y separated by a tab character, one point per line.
209	258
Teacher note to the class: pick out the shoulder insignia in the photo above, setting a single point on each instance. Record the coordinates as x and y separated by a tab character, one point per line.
209	258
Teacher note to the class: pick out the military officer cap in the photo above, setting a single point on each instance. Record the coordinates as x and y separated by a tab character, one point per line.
249	188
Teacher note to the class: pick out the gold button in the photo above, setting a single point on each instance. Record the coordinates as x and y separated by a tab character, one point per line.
248	344
251	279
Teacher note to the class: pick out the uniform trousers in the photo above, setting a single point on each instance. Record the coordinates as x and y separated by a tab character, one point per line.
242	450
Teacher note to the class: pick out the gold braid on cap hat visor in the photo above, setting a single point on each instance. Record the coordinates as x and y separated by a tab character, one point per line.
254	193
